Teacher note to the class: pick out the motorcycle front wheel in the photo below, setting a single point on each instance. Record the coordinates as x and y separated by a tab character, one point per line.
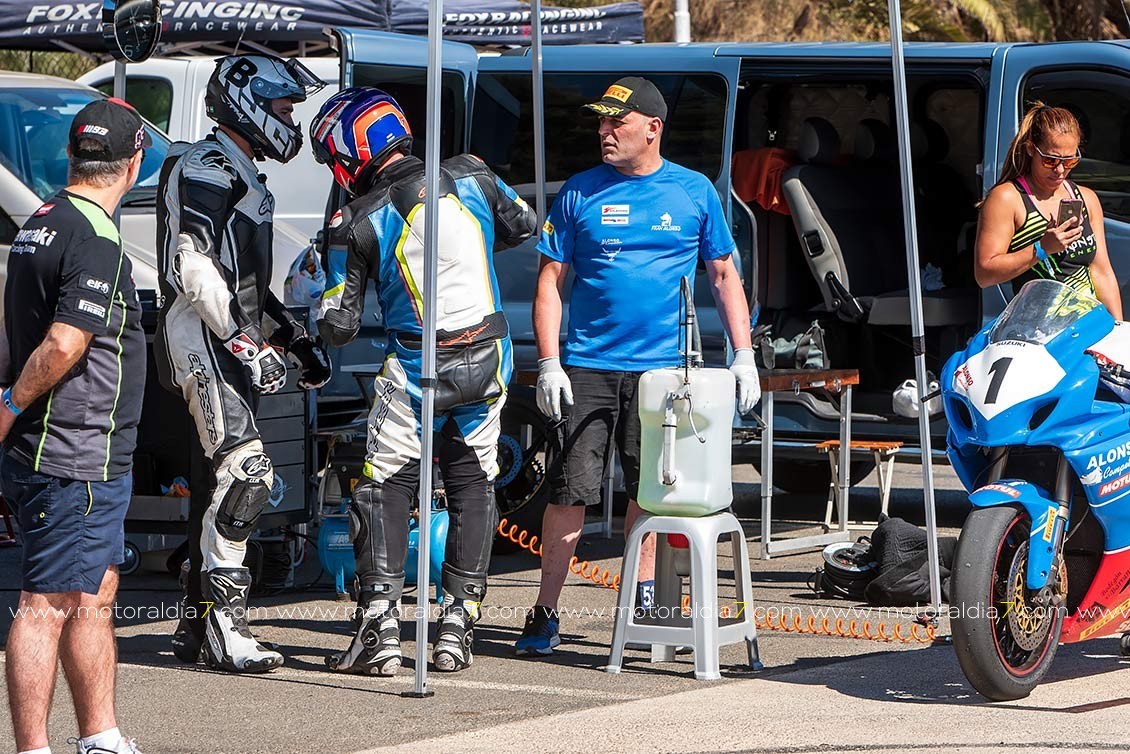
1004	641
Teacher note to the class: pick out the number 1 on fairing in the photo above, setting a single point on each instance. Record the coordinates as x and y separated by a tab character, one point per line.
998	369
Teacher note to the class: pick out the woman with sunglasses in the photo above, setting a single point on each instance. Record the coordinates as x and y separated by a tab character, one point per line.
1020	238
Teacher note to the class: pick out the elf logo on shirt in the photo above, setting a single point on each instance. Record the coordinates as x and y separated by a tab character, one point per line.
614	214
665	224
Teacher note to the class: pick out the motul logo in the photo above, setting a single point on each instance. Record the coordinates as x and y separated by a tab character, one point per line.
1114	485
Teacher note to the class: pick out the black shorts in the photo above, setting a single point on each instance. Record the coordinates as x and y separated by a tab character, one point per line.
605	408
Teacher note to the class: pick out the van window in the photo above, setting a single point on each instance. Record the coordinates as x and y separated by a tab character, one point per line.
502	128
1101	102
409	87
153	97
34	130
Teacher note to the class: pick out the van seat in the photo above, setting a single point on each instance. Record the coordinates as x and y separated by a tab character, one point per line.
848	216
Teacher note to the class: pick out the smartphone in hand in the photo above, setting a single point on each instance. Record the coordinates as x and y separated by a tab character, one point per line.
1069	208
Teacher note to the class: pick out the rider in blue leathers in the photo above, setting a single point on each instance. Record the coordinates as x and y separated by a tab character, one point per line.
364	137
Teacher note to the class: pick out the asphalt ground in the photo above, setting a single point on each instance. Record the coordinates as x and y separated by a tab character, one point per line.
816	694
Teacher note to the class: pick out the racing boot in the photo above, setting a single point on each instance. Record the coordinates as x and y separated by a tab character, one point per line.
188	638
229	644
454	635
375	649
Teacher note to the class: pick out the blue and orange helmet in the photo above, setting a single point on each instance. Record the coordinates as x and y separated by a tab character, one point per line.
357	129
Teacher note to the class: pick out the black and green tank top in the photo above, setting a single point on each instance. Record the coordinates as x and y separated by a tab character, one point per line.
1073	265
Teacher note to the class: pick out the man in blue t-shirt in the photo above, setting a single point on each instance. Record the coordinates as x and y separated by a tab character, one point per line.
631	229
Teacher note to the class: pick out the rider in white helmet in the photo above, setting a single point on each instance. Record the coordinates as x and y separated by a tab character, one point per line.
222	335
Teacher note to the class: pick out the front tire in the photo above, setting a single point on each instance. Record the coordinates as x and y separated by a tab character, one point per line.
1004	642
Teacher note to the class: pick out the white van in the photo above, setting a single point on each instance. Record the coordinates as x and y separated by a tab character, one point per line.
35	122
170	93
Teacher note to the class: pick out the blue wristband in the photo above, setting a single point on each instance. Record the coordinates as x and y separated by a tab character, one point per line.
7	398
1041	255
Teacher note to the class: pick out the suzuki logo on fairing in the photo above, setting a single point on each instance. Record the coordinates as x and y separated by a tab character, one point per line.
1109	457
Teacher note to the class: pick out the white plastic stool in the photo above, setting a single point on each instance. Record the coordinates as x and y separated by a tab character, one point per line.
703	630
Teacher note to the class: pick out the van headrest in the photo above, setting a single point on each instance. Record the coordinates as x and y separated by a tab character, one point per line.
819	142
874	141
928	141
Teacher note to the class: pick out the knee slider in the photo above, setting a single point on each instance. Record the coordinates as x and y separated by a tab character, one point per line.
245	477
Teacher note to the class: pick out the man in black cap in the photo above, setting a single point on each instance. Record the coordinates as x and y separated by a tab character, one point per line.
630	229
72	367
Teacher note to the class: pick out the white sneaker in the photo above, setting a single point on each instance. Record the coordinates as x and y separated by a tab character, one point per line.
125	746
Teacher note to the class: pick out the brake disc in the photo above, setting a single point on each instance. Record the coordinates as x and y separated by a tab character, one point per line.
1028	622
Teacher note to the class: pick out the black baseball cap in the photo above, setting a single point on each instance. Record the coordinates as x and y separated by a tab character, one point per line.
114	125
630	93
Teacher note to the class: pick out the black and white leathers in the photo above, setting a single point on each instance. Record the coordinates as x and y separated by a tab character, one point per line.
215	259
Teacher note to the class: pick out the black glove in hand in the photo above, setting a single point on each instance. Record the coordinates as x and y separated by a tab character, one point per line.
312	361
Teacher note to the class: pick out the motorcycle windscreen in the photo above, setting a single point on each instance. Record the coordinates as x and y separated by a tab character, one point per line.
1042	310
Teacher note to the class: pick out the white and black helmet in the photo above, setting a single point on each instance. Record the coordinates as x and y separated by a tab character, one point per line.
239	96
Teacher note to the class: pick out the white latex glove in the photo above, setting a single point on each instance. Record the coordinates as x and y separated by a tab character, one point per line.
744	369
554	387
268	370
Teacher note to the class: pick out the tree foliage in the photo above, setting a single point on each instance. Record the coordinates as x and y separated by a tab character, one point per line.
860	20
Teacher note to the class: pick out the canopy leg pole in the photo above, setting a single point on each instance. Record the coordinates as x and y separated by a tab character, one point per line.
428	368
914	280
538	87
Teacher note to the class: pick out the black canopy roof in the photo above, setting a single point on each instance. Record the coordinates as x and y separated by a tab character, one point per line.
297	26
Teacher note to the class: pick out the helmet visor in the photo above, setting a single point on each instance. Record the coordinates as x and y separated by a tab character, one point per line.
298	84
306	78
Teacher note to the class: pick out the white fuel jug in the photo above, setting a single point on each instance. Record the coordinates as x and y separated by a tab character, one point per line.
686	420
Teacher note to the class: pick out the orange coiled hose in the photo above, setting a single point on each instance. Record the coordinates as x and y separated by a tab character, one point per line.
791	623
583	568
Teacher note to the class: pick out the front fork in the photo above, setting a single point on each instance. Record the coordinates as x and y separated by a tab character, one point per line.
1045	584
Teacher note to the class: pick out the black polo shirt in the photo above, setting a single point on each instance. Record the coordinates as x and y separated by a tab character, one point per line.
67	265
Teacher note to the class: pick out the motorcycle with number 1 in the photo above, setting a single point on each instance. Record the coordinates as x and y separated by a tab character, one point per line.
1039	434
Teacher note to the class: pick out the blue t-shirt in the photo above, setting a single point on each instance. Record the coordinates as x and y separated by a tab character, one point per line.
630	239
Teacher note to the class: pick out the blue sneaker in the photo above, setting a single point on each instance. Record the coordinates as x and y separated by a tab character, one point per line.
540	635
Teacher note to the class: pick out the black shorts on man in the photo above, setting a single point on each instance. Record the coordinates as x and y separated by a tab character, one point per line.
605	409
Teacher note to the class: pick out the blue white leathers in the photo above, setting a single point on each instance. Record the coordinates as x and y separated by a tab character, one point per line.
379	236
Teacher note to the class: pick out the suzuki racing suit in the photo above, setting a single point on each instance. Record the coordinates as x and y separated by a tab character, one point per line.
379	236
214	255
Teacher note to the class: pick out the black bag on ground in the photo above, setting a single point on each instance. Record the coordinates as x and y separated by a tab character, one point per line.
901	556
